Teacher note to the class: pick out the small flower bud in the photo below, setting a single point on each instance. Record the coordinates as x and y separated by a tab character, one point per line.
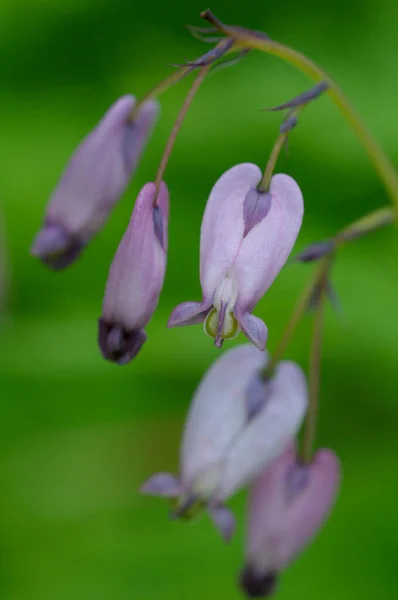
231	434
246	238
135	278
315	251
287	505
94	180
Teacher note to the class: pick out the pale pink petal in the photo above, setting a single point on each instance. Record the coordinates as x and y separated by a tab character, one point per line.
223	224
266	248
137	271
188	313
267	435
282	523
253	328
162	484
218	410
224	520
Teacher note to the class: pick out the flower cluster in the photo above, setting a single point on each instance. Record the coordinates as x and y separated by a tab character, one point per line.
246	414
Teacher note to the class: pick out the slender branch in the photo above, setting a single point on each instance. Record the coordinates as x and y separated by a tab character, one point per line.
300	308
176	127
264	184
159	88
374	220
254	40
314	374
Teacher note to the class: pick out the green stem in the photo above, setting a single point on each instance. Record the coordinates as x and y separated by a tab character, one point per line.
249	39
374	220
314	374
264	184
159	88
176	128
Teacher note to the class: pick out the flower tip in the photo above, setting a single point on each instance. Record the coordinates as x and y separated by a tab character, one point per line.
55	247
161	484
256	585
118	345
224	520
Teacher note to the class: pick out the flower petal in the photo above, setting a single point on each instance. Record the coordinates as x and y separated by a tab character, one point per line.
224	520
266	247
253	328
95	178
189	313
281	524
267	435
218	411
162	484
137	271
223	224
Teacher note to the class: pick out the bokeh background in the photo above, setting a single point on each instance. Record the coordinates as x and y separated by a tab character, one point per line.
78	435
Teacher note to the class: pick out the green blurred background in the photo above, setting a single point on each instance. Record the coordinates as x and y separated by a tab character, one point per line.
79	435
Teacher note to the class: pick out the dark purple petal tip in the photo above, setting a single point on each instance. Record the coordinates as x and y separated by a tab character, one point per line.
55	247
118	345
256	585
256	207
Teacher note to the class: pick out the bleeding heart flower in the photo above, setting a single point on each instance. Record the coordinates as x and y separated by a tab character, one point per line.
237	425
287	505
246	238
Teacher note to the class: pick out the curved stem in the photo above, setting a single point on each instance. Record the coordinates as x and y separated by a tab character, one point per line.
251	39
159	88
176	128
264	184
300	308
370	222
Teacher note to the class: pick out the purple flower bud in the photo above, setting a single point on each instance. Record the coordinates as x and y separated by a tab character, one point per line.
287	505
225	443
94	180
135	278
246	238
315	251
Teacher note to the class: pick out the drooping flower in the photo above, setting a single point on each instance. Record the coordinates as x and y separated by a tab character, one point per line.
95	178
237	425
246	238
135	278
287	505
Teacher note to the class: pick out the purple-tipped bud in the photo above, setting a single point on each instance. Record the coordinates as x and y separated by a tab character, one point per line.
96	177
315	251
287	506
135	278
226	443
246	238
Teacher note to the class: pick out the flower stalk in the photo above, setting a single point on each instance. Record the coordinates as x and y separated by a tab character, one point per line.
256	41
176	128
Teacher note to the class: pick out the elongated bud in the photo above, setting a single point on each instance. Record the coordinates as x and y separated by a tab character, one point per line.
288	504
94	180
135	278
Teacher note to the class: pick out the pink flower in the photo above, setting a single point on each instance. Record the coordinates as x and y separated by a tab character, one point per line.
236	426
135	278
287	505
96	177
246	238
